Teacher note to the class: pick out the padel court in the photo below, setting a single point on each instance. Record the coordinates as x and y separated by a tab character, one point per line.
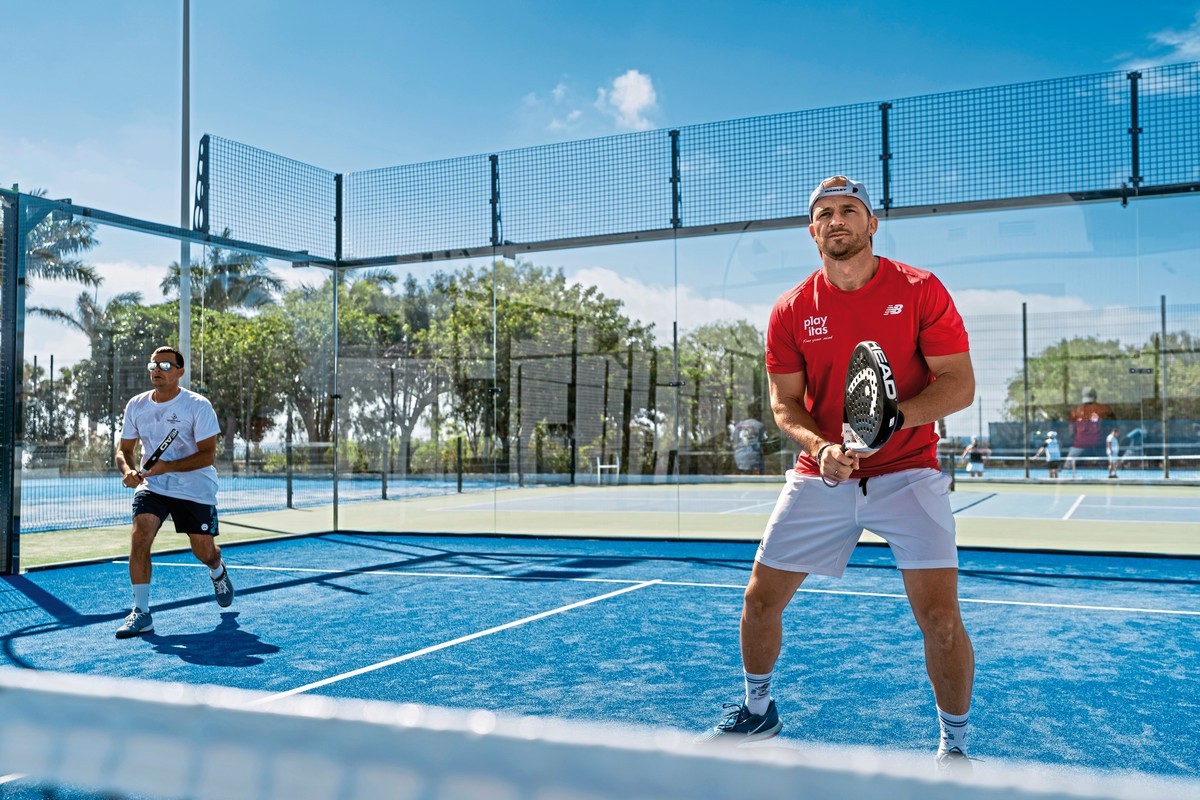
1083	660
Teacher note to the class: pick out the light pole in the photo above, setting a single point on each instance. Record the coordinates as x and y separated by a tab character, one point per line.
185	215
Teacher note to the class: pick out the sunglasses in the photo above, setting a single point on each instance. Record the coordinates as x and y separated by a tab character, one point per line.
165	366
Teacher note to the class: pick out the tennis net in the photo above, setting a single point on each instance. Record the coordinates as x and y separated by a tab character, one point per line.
97	737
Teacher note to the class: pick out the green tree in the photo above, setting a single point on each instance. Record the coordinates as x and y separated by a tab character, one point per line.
226	280
486	322
1127	377
721	364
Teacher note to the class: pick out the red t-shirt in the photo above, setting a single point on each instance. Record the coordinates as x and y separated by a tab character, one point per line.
1086	423
813	329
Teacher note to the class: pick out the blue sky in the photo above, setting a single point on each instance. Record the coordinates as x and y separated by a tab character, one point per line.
92	110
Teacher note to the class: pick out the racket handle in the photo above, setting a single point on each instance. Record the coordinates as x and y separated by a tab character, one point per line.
852	442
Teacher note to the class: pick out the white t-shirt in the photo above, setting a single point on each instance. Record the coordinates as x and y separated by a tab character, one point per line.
1114	445
193	416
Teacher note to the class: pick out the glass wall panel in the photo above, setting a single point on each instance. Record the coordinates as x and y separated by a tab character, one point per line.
100	300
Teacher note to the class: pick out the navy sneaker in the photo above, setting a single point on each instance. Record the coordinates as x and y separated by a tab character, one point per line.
223	589
740	726
136	623
954	762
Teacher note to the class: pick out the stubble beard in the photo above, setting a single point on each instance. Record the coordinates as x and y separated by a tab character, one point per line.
845	249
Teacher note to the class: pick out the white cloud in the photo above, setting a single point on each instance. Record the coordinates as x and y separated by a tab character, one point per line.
630	98
655	304
559	92
1178	46
989	302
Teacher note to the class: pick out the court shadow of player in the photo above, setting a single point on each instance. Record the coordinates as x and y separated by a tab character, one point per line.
227	645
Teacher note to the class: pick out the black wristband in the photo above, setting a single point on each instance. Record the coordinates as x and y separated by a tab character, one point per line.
821	450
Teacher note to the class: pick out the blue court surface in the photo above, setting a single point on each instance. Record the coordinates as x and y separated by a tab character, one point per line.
1082	660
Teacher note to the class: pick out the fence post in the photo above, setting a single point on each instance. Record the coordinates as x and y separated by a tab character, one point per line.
1025	372
1166	417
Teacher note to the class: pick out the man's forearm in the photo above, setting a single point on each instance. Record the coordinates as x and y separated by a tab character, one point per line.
189	463
949	393
795	421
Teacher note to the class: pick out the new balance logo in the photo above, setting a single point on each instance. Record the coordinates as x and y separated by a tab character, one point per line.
895	308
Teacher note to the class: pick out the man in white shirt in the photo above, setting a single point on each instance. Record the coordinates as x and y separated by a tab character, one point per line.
1112	446
181	485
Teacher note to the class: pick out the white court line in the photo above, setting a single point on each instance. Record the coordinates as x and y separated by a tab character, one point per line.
692	584
460	640
1078	501
404	573
747	508
16	776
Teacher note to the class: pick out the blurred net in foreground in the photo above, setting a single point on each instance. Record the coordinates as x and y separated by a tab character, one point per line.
68	735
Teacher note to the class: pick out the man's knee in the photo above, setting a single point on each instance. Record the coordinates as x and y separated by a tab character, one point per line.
943	626
758	603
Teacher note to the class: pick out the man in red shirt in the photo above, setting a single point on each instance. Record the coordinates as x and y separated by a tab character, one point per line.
1087	430
897	492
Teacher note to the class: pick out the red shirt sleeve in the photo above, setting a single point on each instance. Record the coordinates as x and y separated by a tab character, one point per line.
783	353
942	331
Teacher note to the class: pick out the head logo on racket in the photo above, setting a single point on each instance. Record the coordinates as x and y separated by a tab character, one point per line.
153	458
871	413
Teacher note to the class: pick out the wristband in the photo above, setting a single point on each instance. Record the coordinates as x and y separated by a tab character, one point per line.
821	450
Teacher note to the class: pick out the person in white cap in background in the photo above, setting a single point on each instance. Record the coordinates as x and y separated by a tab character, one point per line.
1053	452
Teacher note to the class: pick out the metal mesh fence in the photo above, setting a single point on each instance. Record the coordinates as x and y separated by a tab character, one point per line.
1021	140
420	208
1091	375
252	195
764	168
591	188
1169	118
1070	138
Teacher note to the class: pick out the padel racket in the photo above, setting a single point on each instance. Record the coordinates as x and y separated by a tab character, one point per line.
871	413
153	458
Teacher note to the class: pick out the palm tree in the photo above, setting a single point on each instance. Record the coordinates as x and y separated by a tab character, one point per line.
225	280
53	245
95	374
90	318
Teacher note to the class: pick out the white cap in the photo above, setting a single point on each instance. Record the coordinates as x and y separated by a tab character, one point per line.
839	184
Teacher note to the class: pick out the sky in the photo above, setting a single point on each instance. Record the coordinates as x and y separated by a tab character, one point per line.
93	104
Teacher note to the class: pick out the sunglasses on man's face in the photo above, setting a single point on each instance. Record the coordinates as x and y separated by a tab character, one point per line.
165	366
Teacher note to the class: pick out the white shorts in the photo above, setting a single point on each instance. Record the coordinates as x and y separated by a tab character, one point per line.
815	527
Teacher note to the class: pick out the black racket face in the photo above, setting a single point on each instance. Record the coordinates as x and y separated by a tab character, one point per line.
870	394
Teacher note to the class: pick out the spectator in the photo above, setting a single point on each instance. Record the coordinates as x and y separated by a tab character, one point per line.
748	438
1112	446
1087	429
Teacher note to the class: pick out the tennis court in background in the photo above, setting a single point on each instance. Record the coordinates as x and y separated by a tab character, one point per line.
1083	660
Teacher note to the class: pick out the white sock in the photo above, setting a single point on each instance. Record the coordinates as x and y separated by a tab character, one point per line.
954	730
141	596
758	692
216	573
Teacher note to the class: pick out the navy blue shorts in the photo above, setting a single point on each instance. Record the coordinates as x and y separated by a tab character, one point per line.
188	517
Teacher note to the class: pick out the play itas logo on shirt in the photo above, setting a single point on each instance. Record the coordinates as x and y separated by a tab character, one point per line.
816	326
